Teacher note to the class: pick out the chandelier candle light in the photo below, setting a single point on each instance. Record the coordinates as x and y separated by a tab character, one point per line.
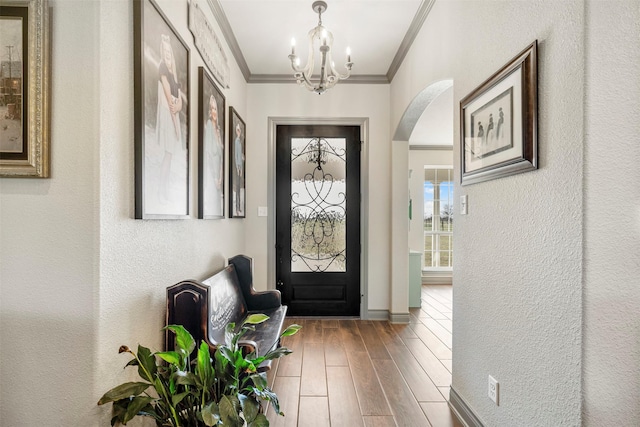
323	38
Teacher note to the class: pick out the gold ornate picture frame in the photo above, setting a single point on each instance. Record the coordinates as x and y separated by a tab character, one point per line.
24	89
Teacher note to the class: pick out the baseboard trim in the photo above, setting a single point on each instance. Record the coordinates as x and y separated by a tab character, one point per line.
399	317
463	411
378	315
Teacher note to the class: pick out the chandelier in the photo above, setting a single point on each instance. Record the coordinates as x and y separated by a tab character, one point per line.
321	40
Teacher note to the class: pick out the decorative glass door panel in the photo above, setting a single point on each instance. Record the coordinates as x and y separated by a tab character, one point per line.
318	204
318	219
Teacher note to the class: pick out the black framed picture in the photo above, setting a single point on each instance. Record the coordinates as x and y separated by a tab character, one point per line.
161	108
211	153
237	165
498	122
24	89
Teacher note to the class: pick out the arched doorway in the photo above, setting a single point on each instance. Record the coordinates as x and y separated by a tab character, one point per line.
400	197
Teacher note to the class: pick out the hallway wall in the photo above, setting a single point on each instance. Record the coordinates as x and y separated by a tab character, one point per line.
49	276
345	100
611	330
78	275
518	253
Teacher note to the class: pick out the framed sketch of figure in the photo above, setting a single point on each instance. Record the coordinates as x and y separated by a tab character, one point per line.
237	166
161	108
499	121
211	128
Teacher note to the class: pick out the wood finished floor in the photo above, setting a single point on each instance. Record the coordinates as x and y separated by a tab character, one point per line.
350	373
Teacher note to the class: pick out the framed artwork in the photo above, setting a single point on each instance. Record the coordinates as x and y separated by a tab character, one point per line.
161	109
498	122
210	148
237	196
24	89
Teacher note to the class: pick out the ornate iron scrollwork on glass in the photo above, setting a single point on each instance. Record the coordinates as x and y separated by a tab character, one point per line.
318	205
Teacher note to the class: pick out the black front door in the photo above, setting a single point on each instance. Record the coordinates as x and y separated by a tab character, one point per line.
318	219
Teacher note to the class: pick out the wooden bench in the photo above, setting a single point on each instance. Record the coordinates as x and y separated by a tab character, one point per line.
205	307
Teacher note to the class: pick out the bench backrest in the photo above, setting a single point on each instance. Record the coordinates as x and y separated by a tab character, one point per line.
226	303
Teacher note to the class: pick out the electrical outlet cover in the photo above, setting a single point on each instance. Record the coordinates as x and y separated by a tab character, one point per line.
493	390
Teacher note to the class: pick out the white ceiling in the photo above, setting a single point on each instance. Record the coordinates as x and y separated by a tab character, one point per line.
378	32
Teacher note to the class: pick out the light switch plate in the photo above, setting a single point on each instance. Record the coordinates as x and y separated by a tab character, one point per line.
464	205
262	211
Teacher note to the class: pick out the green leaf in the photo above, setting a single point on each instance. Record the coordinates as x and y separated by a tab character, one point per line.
160	385
177	398
221	362
211	414
291	330
123	391
147	367
132	362
172	357
135	406
185	378
255	319
230	337
248	366
277	353
250	407
269	395
184	340
260	421
259	380
118	409
228	413
255	360
227	353
204	368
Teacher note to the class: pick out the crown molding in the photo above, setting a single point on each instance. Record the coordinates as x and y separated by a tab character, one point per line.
442	147
288	78
409	37
412	32
227	33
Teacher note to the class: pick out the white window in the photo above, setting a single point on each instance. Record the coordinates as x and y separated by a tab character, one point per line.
438	218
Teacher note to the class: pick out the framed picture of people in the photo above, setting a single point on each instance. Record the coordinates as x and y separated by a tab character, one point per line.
24	89
498	122
161	109
237	165
211	127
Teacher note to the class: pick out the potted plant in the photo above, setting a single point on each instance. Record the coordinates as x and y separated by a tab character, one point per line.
225	389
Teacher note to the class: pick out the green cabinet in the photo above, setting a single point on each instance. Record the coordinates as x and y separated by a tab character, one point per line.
415	279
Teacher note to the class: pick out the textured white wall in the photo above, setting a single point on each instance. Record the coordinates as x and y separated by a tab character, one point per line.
289	100
612	215
139	259
78	276
48	246
435	126
518	262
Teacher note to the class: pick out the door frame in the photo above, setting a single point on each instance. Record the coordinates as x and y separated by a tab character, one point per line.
363	122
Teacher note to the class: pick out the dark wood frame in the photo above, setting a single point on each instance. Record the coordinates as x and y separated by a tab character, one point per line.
524	144
144	89
203	101
234	118
33	159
